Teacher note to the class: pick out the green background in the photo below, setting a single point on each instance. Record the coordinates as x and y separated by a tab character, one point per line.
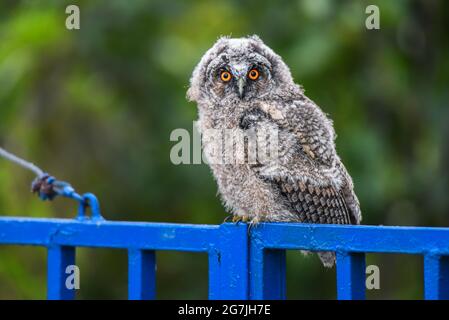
96	106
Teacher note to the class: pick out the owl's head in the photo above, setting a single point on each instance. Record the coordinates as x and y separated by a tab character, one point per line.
239	69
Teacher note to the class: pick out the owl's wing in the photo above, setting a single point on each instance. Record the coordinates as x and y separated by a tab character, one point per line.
309	179
315	204
351	200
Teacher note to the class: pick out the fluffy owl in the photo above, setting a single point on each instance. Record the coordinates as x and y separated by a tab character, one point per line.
241	85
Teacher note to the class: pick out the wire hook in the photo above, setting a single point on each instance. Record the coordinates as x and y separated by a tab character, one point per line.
91	201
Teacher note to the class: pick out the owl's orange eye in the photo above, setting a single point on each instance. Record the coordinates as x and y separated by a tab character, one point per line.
253	74
225	76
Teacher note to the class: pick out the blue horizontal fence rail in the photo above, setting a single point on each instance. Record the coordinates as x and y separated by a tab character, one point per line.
244	263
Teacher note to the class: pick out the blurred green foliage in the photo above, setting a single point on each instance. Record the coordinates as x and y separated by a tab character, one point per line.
96	106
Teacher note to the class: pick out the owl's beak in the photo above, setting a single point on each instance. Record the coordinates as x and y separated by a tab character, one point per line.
241	87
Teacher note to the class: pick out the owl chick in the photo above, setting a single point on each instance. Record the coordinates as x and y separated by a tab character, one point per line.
242	85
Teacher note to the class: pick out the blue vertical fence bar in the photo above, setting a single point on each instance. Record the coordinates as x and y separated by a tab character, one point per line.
58	259
350	276
267	273
141	274
228	263
214	260
436	277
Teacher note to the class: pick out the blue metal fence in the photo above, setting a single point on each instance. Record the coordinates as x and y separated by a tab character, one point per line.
243	263
269	242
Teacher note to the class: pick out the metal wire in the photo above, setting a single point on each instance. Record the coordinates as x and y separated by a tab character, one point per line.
23	163
47	187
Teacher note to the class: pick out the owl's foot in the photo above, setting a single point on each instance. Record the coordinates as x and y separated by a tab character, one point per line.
253	223
238	218
228	218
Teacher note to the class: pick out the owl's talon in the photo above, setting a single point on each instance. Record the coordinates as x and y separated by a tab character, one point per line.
236	219
253	223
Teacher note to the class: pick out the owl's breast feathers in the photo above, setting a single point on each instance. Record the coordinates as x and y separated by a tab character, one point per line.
316	185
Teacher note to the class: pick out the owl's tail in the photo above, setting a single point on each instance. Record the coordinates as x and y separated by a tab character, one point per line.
327	257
